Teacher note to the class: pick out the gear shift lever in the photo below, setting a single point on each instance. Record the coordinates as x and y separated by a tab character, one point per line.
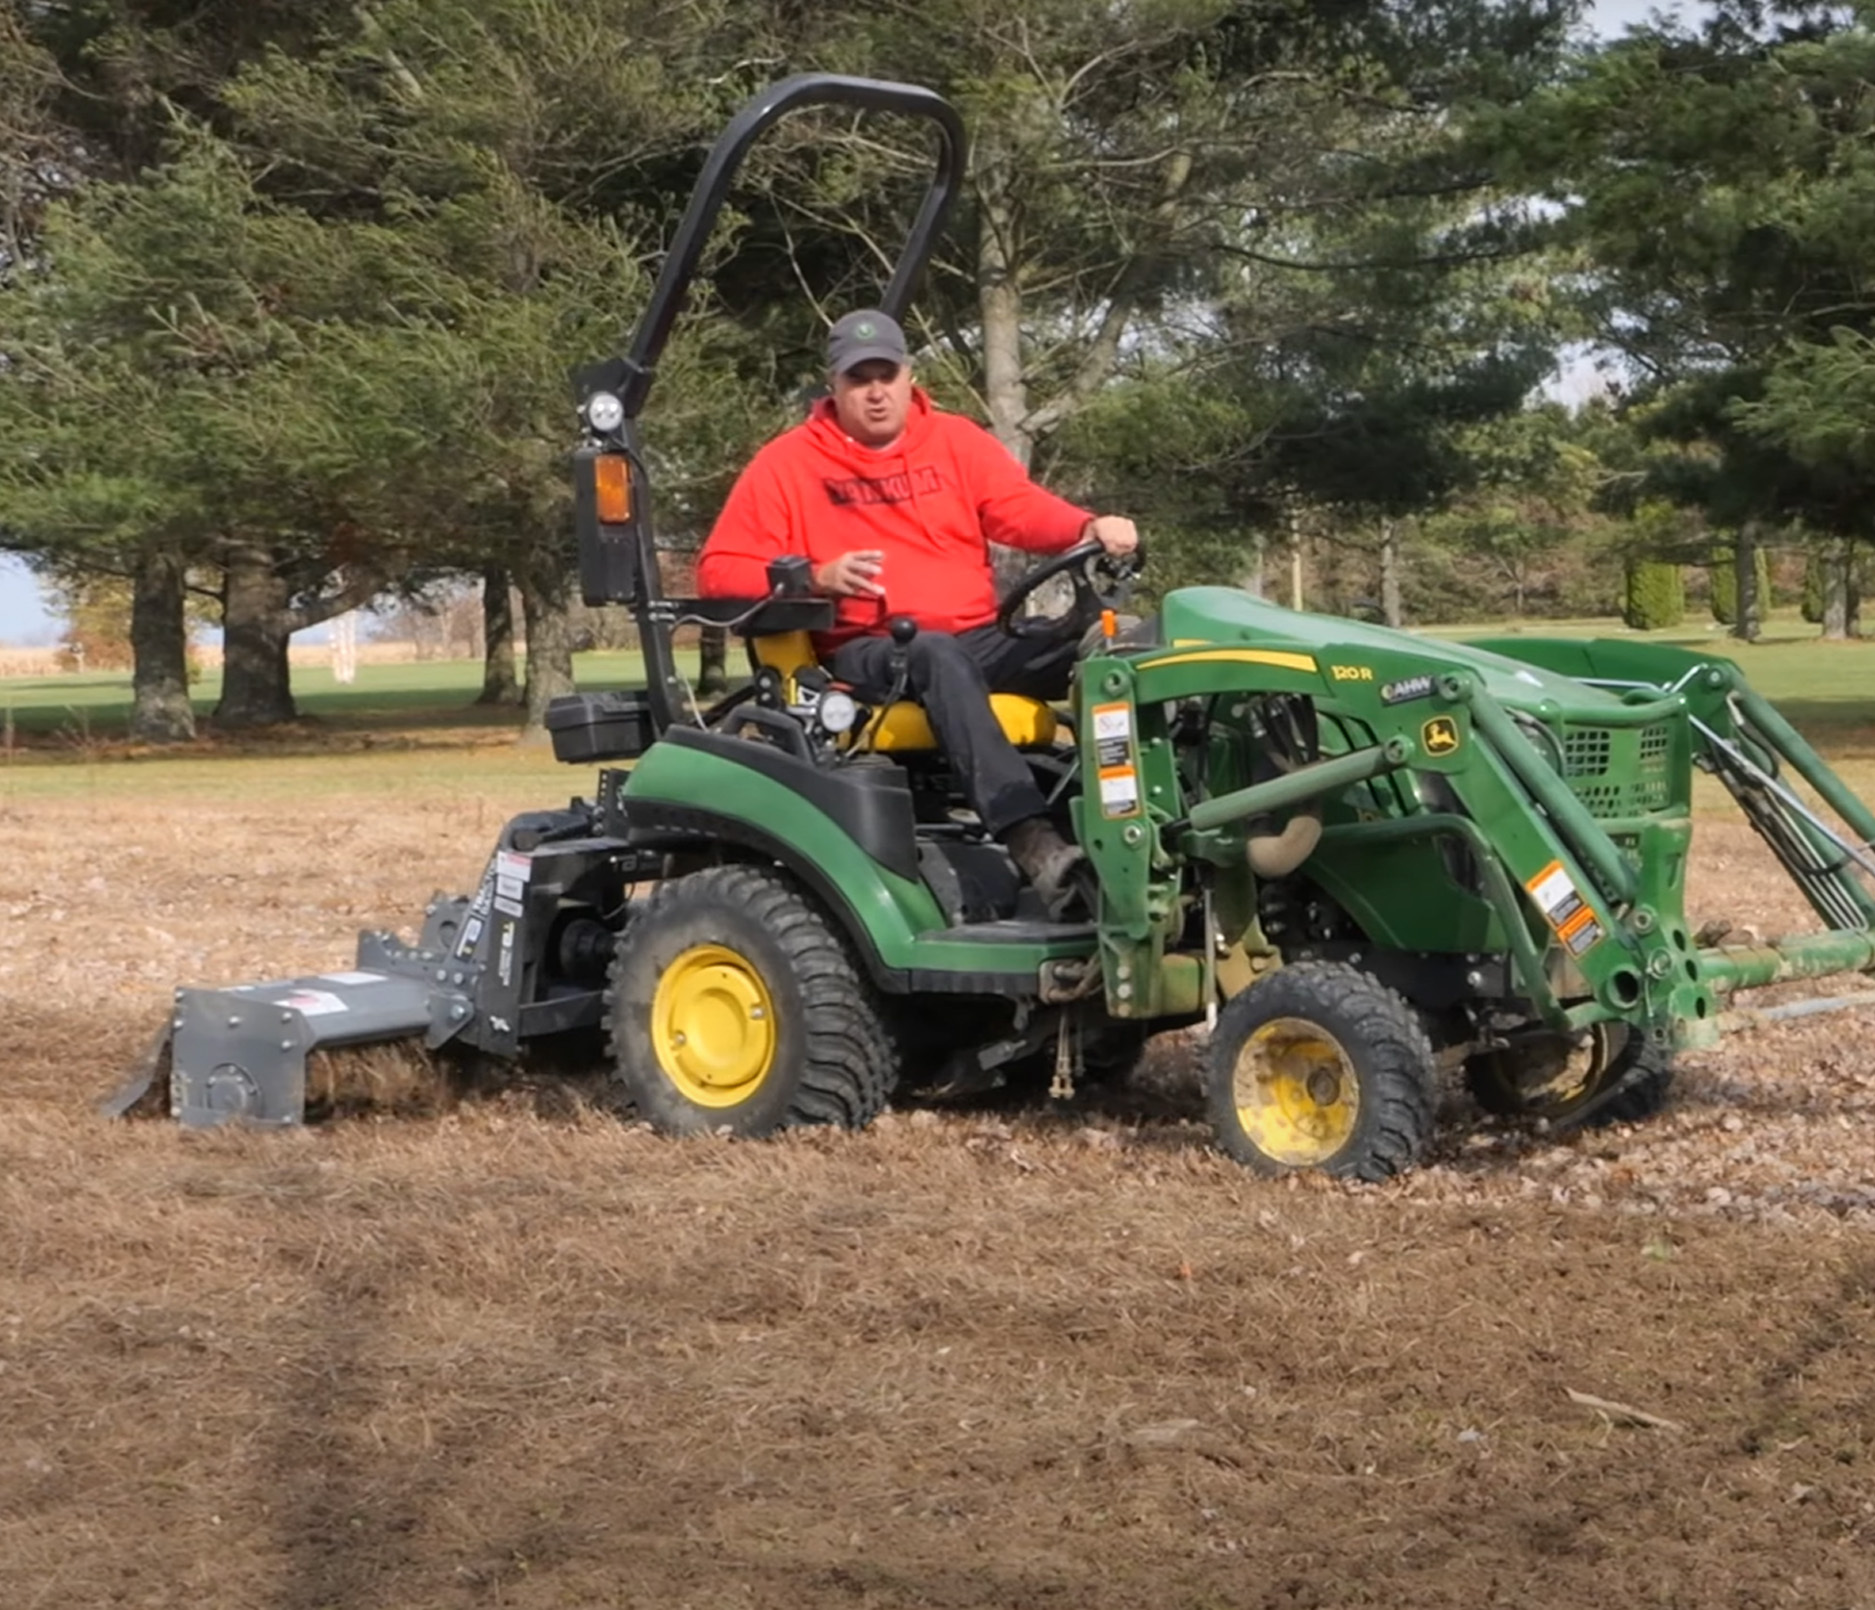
903	629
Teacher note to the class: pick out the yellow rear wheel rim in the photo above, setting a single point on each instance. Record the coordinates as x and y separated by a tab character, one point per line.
713	1026
1298	1097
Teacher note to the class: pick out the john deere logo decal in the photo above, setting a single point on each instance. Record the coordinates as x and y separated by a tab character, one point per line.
1439	735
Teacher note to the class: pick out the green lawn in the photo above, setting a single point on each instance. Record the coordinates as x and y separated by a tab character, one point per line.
431	694
397	727
1825	688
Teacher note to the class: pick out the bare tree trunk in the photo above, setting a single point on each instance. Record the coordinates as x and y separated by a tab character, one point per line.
549	644
1254	580
999	302
712	661
1391	609
160	711
500	682
999	305
1748	622
1832	566
256	625
1295	560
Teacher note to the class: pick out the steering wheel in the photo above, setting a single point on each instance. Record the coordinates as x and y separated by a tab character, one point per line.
1101	580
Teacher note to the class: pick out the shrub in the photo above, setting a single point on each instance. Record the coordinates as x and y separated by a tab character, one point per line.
1655	596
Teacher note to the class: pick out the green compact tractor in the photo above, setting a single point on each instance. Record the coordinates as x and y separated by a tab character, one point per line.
1361	856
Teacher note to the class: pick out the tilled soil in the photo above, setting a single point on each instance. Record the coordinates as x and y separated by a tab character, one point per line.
519	1351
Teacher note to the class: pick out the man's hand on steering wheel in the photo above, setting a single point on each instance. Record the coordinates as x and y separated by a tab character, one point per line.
1101	567
1114	532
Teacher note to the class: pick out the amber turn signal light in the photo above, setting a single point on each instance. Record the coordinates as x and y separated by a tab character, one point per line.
612	481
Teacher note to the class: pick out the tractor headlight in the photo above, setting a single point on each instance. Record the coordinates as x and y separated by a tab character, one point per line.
838	711
604	412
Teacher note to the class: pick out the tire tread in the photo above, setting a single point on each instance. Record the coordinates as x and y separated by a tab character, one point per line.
848	1066
1399	1090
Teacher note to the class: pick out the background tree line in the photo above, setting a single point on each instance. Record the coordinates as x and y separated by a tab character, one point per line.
289	293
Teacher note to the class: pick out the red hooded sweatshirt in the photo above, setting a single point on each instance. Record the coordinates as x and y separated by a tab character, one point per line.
932	503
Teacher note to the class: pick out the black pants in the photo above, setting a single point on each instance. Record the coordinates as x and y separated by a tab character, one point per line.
953	678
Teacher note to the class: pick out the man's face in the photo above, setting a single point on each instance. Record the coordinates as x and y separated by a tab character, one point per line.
872	401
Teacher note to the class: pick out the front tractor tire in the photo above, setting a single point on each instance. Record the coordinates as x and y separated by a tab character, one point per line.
735	1006
1320	1066
1608	1074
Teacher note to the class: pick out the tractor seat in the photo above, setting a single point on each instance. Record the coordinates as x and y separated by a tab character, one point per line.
903	728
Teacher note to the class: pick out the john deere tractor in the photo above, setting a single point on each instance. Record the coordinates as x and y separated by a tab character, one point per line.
1360	855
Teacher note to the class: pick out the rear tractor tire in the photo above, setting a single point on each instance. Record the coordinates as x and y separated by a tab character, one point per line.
735	1006
1563	1079
1320	1066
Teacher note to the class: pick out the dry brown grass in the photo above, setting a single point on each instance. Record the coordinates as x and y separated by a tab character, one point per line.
28	661
524	1353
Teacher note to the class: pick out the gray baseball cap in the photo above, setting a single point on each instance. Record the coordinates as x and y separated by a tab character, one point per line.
863	335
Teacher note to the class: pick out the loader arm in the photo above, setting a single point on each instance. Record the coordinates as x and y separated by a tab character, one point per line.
1744	741
1521	810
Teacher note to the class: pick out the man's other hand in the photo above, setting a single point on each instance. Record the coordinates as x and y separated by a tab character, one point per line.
1114	532
852	575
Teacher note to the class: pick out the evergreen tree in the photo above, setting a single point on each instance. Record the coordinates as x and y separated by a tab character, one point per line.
1656	595
1714	183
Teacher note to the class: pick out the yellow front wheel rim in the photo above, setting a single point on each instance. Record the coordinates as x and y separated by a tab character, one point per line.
713	1026
1298	1097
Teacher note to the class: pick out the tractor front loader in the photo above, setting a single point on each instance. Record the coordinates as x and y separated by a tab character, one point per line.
1363	856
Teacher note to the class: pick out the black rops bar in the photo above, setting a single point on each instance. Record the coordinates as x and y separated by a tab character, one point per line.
629	378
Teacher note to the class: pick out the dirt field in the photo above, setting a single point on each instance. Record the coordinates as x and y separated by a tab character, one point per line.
525	1354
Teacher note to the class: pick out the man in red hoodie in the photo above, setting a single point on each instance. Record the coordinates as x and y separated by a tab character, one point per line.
895	504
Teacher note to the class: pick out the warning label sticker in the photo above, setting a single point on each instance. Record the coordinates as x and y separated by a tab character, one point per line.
1580	932
1564	908
314	1003
1555	893
1113	735
1119	793
1116	759
511	874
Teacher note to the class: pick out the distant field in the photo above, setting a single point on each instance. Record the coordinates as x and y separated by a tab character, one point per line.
1826	688
95	706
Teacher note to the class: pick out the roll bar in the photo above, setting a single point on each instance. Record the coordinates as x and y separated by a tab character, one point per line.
629	377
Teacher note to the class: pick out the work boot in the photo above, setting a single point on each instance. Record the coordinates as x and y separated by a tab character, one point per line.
1048	861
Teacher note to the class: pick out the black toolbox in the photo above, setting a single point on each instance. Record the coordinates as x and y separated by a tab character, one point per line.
600	726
